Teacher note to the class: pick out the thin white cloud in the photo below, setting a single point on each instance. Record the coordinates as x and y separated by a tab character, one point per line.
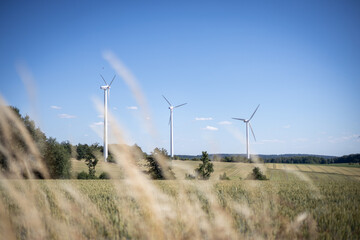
132	108
68	116
55	107
353	137
115	108
287	126
100	116
225	123
210	128
203	118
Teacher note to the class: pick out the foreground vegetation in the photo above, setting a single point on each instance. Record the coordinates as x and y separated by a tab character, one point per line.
288	206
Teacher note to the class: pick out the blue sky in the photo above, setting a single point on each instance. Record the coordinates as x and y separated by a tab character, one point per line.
298	59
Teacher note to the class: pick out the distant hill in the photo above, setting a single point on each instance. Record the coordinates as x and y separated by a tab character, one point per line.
295	155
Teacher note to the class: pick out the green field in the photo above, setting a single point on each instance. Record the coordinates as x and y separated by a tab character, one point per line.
298	202
233	170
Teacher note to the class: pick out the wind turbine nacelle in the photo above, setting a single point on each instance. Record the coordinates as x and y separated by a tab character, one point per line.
104	87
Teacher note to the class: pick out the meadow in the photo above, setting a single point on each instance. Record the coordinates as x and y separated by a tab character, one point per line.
298	201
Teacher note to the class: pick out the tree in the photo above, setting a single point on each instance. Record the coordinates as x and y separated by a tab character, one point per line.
91	154
81	150
57	159
161	151
137	153
70	148
91	159
12	139
156	170
37	135
205	168
55	156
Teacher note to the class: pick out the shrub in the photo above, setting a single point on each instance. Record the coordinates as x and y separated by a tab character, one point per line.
257	175
224	177
104	175
83	175
189	176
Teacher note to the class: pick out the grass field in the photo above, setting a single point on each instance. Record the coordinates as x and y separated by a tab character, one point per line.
233	170
342	169
298	202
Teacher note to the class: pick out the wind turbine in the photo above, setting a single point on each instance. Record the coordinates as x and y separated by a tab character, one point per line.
171	123
248	124
106	89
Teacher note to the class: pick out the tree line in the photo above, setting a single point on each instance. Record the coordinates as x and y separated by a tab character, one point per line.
351	159
55	155
290	158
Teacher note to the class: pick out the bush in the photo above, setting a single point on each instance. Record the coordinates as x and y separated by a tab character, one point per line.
83	175
224	177
189	176
104	175
257	175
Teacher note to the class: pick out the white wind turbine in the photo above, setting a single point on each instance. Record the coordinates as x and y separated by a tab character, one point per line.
172	126
106	89
248	124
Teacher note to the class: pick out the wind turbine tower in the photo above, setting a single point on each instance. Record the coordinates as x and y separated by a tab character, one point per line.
106	89
248	124
171	123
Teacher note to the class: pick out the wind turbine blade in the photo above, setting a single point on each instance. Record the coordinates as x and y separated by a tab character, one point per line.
112	80
169	120
180	105
167	100
252	131
103	79
254	112
241	119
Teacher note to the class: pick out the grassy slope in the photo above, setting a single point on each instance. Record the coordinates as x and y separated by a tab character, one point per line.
78	166
330	169
232	170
